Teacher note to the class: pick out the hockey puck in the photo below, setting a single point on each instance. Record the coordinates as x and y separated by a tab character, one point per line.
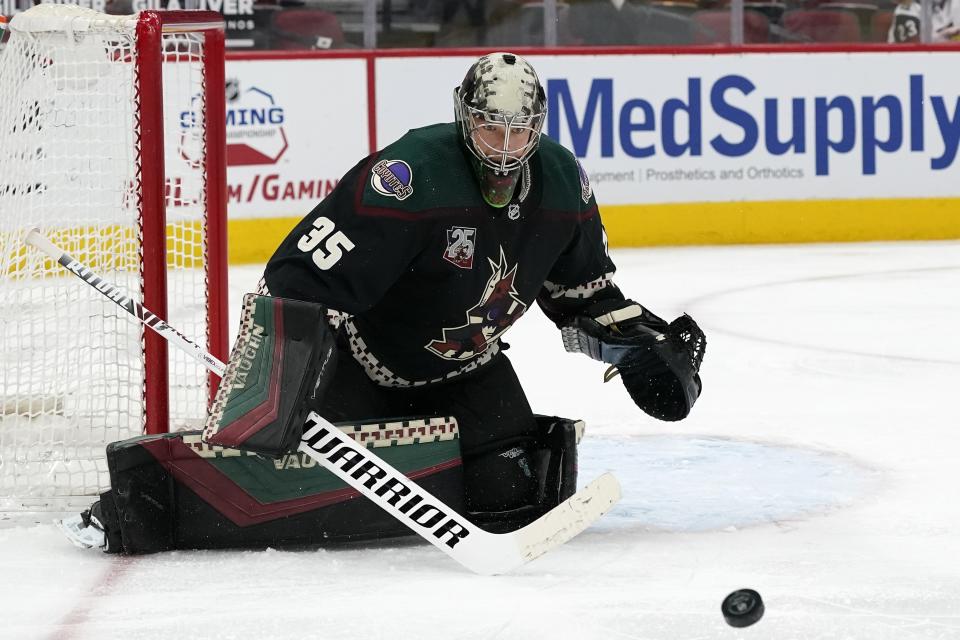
742	608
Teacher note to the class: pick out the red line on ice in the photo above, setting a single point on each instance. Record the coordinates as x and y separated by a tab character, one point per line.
75	619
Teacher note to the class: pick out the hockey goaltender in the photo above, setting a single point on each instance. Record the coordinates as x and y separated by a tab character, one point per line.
383	311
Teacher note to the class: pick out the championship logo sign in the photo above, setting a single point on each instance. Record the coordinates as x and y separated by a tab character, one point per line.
460	246
255	126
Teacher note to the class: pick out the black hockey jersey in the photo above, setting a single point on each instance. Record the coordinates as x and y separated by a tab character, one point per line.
426	275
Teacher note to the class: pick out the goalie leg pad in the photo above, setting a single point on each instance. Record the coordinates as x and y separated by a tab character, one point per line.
282	361
500	478
173	491
556	458
552	454
138	513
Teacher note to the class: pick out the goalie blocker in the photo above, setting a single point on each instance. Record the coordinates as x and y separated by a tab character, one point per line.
173	491
282	362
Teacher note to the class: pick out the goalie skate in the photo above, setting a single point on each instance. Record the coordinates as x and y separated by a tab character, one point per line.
84	531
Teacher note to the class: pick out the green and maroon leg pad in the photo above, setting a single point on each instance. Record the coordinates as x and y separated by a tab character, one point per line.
283	360
174	491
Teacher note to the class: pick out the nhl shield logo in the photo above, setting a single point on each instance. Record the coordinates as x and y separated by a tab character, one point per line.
460	246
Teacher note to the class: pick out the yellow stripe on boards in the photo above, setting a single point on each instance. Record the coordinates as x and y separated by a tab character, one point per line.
783	221
105	248
253	241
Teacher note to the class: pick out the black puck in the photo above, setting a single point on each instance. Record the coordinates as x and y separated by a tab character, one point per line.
742	608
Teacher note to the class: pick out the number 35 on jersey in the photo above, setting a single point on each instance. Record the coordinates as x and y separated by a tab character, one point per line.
325	243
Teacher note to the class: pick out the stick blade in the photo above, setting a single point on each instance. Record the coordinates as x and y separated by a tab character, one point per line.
569	518
495	554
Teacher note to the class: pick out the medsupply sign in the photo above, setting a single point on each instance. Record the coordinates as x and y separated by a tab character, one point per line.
679	148
729	127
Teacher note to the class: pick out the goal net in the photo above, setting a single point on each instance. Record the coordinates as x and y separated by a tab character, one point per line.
111	142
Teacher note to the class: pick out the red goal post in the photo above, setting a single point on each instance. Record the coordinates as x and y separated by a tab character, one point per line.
151	27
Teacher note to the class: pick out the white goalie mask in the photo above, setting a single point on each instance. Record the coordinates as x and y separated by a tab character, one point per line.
500	107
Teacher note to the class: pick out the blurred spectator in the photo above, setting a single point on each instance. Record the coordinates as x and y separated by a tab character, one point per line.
463	23
492	23
712	26
618	22
118	7
306	28
821	25
906	21
503	23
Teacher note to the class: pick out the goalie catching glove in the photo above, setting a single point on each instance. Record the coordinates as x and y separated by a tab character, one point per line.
658	362
283	359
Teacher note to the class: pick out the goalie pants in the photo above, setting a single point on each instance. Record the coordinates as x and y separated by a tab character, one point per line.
495	421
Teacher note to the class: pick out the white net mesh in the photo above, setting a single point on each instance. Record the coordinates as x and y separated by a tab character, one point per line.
183	85
71	362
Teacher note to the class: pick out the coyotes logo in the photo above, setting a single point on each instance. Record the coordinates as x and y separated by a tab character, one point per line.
498	308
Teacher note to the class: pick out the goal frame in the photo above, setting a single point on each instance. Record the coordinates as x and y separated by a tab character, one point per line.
117	149
151	25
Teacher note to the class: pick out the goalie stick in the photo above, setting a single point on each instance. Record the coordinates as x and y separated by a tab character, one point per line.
427	516
478	550
111	291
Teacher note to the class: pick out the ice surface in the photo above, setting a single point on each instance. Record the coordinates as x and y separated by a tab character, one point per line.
820	467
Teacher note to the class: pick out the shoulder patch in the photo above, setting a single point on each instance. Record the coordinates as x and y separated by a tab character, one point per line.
585	190
392	178
461	242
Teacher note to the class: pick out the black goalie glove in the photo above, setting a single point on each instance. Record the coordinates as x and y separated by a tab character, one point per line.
658	362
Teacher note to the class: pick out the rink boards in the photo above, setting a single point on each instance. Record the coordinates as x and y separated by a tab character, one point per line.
692	146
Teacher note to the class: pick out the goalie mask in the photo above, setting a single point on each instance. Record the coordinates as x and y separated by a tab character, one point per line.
500	107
